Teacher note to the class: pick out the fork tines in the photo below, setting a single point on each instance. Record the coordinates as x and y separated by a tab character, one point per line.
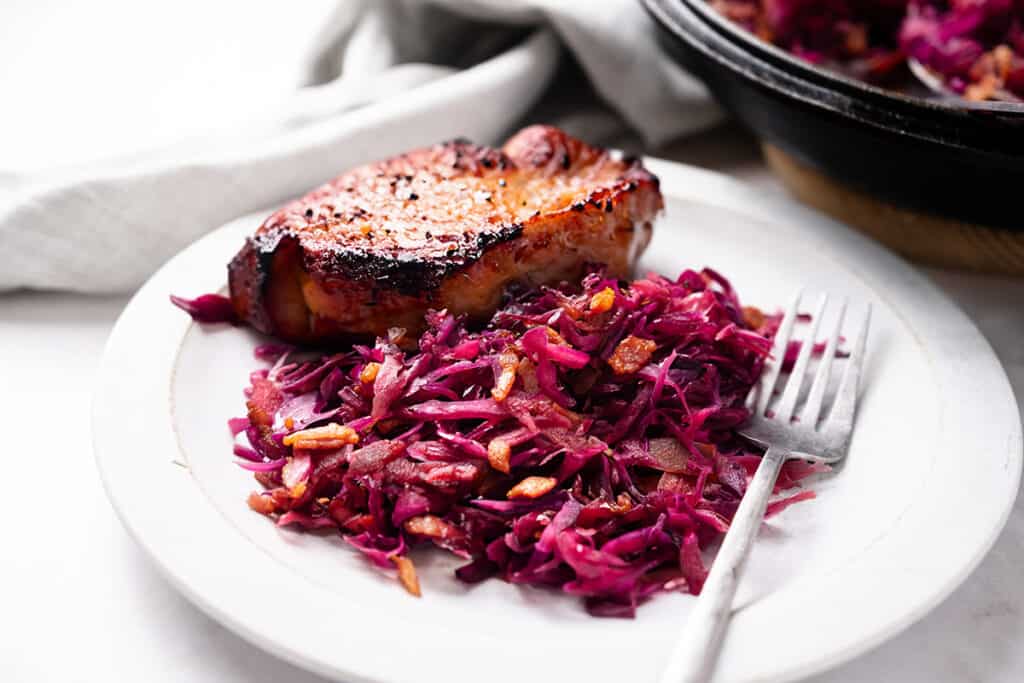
842	413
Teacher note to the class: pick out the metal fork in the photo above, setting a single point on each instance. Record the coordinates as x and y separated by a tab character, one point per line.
693	659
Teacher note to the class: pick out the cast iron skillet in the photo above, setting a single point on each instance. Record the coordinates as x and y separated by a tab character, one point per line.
939	157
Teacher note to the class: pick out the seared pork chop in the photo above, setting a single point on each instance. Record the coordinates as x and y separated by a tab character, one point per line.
444	227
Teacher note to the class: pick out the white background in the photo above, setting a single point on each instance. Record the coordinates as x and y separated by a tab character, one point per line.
81	81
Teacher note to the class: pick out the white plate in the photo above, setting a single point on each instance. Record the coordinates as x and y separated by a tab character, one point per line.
930	479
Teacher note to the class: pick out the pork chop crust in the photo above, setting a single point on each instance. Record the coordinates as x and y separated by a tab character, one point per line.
449	226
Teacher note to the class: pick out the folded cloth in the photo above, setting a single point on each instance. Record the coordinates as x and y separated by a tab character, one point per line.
379	77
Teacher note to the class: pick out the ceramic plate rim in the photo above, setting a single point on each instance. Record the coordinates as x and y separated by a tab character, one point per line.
124	412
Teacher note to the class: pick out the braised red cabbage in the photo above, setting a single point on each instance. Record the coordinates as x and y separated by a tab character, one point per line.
208	308
976	46
582	440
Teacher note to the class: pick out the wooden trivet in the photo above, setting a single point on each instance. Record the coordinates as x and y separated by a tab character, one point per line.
919	237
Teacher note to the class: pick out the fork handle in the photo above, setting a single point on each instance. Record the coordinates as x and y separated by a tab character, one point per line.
693	659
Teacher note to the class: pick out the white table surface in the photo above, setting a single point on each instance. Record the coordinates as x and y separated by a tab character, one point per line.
79	601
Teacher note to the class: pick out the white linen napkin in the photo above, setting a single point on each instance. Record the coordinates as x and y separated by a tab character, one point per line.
254	107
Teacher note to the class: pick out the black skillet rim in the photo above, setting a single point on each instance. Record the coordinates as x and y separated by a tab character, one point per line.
775	54
980	131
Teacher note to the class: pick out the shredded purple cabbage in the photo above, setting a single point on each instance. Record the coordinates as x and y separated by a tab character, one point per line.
582	440
208	308
976	46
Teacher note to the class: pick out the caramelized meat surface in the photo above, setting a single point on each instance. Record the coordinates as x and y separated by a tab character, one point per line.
443	227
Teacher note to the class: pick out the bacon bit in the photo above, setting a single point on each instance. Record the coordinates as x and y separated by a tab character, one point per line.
319	438
452	474
323	501
631	354
528	373
289	423
706	449
387	426
532	487
430	526
603	300
669	454
509	363
264	401
498	455
983	89
857	39
374	456
555	338
622	504
360	523
989	73
282	497
407	574
1002	55
674	483
261	504
753	317
369	372
737	11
